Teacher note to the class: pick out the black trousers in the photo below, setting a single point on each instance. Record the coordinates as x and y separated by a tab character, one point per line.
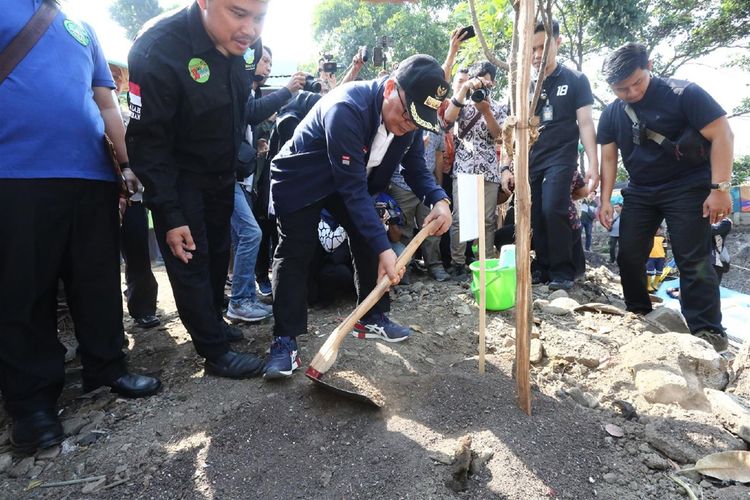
690	234
141	285
268	242
298	237
553	238
613	241
55	229
206	202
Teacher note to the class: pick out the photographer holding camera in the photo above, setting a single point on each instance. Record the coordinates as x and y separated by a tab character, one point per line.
478	122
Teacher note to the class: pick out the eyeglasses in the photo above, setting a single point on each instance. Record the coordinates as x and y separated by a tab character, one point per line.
405	113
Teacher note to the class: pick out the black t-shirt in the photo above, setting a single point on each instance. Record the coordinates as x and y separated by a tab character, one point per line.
565	91
667	107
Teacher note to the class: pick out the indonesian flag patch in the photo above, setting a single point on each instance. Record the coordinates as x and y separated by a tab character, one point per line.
134	100
345	160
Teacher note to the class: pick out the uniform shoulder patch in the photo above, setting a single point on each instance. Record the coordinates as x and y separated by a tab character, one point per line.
78	32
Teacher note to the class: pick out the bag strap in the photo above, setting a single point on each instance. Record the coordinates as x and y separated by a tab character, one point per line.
469	126
654	136
25	40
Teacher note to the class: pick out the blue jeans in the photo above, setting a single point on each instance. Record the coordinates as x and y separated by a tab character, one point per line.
553	237
246	236
587	227
690	234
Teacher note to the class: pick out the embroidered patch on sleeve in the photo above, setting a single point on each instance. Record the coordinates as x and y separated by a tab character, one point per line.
134	100
345	160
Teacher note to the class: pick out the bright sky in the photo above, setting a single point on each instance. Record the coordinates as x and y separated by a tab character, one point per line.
288	32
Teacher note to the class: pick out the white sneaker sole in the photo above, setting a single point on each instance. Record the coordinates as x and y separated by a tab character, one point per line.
377	336
284	373
246	319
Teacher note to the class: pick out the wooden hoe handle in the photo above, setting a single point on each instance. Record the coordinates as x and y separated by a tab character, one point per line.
327	354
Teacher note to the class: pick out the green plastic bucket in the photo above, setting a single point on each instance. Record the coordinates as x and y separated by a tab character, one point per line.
500	283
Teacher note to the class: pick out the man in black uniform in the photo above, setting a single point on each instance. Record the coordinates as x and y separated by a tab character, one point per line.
690	192
188	89
564	110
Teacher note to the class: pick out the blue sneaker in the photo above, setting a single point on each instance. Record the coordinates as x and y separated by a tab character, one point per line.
378	326
264	288
283	358
249	310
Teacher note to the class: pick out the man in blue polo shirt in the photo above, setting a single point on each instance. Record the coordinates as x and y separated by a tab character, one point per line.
344	151
59	201
666	182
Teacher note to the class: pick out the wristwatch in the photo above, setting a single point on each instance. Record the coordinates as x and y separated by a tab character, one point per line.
722	186
456	103
506	167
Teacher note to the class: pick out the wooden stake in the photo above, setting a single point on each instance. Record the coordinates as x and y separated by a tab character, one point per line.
524	318
482	273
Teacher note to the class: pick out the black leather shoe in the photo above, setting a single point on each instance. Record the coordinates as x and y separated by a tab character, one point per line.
39	430
130	385
235	365
231	332
149	321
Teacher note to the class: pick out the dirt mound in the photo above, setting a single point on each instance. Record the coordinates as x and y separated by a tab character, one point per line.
205	437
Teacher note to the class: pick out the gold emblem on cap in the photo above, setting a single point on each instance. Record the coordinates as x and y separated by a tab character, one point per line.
441	91
419	121
431	102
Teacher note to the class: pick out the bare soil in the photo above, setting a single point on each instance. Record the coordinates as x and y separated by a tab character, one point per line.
206	437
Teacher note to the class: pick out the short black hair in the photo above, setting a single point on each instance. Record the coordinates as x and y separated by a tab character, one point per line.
623	61
555	28
483	68
268	49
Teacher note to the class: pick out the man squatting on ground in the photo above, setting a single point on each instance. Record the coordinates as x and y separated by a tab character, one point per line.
189	86
690	195
344	151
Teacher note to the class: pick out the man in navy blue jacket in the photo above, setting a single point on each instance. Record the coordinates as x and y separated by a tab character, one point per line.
341	154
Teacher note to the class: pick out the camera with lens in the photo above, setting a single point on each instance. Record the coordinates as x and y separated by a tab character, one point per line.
312	85
480	94
363	53
328	64
639	133
389	213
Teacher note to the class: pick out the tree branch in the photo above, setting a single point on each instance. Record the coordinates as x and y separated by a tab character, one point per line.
546	12
491	57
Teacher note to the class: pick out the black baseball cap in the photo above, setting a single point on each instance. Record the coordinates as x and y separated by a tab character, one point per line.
423	81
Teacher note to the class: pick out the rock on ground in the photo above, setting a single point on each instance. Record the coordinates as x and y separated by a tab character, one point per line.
22	468
741	383
674	368
560	306
668	319
536	352
733	412
575	347
6	460
687	441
